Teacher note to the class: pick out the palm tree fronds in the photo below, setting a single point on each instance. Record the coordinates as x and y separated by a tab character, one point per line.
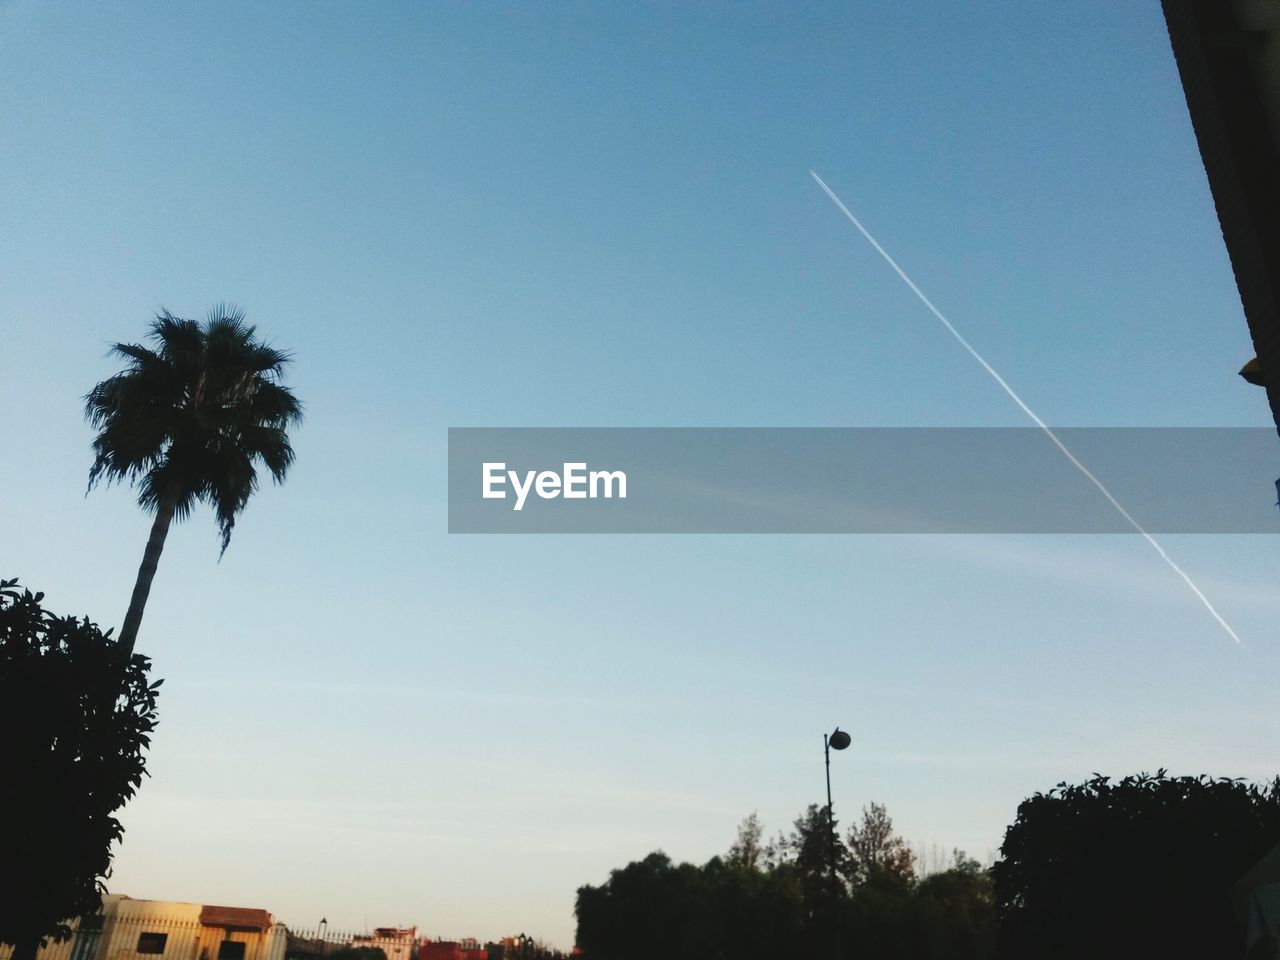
191	415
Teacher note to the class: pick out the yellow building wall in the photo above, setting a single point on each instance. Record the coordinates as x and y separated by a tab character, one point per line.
185	938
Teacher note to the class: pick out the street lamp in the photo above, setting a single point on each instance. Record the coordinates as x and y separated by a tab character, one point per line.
836	740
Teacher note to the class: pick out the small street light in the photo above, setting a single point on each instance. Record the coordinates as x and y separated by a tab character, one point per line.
836	740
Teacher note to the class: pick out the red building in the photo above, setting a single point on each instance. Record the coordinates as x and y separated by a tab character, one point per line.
441	950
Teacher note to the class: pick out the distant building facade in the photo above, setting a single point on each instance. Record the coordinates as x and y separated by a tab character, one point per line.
128	929
456	950
398	943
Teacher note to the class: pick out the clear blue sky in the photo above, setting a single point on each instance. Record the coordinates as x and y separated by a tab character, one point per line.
584	214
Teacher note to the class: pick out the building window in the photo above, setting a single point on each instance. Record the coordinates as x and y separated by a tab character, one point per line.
152	942
231	950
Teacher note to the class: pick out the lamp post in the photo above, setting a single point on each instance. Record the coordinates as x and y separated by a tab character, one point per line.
836	740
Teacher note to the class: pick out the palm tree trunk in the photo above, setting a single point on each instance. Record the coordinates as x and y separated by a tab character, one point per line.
147	571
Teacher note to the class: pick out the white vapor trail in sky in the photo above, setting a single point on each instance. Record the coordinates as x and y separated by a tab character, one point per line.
1013	395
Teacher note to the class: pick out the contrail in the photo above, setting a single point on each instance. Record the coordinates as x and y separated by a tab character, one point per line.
1013	395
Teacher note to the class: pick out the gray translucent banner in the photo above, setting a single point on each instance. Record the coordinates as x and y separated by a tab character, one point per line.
861	480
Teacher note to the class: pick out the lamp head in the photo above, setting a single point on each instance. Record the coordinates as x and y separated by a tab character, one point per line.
839	739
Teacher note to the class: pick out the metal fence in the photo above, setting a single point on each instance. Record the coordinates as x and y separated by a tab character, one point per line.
143	935
321	941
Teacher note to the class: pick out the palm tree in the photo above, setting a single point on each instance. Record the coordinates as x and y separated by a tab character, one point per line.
187	422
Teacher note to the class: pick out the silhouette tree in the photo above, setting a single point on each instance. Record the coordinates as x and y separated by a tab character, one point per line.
808	850
189	422
72	753
747	851
1141	867
957	910
725	908
648	905
877	853
654	908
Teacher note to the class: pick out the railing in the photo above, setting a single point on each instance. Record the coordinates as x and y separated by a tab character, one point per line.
141	936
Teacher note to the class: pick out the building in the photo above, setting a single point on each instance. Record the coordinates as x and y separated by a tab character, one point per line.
128	929
1228	56
398	943
453	950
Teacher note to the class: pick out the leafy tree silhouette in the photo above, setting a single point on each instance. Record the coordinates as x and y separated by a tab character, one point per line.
877	853
1139	867
765	903
77	714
